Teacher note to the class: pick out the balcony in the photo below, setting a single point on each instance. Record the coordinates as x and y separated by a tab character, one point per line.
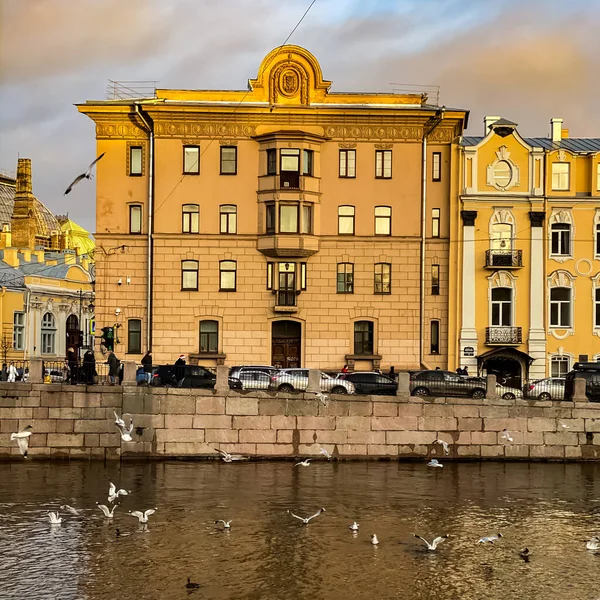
285	301
286	245
504	259
503	336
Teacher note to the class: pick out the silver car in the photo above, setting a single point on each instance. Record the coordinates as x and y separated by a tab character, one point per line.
551	388
296	380
254	380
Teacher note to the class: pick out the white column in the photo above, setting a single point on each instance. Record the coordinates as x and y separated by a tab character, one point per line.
468	330
537	297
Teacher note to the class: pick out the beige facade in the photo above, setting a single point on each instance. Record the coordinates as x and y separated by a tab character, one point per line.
284	222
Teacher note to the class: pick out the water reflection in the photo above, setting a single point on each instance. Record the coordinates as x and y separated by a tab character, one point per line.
550	508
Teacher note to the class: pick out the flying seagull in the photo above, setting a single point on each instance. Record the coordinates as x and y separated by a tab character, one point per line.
303	463
444	445
505	435
113	493
434	463
593	544
86	175
325	453
123	429
143	516
306	520
434	544
54	518
374	539
109	514
354	526
322	398
226	457
72	510
490	539
22	438
226	524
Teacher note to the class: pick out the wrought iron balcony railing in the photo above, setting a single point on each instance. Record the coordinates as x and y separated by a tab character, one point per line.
503	336
506	259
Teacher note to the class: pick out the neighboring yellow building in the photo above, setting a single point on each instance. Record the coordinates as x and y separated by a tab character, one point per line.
284	225
526	299
46	292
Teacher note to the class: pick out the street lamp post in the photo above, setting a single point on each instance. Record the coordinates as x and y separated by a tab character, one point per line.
82	295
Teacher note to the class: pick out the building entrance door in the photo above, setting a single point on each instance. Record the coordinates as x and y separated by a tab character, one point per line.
286	344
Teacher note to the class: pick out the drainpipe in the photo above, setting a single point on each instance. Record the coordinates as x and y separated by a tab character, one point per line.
26	332
428	128
150	266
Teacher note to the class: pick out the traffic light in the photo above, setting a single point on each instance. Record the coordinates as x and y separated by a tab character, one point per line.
108	337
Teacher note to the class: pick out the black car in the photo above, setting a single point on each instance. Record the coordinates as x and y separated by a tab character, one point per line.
194	376
590	371
446	383
372	383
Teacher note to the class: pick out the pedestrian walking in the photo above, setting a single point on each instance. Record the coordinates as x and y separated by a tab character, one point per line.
113	368
179	370
72	363
345	369
89	367
12	373
147	364
392	373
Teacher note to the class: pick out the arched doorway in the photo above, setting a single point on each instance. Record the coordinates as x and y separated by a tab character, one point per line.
73	333
286	344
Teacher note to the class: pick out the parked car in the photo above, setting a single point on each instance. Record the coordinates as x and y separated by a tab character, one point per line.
446	383
235	371
295	380
194	376
590	371
508	393
254	380
367	382
551	388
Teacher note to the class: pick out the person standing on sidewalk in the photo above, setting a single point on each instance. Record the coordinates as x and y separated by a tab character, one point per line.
147	364
113	368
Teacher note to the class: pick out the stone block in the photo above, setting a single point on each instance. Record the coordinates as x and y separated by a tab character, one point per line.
385	409
65	425
334	409
178	405
111	400
410	409
561	438
516	450
492	451
87	400
302	408
38	439
274	450
148	421
39	426
11	426
112	453
464	438
179	421
470	424
91	440
592	425
541	424
573	452
355	423
152	404
547	452
258	436
188	449
492	424
272	406
10	402
56	399
413	450
472	451
65	440
360	409
41	413
64	413
533	438
180	435
95	413
487	438
244	449
212	422
339	436
80	453
394	423
96	426
218	436
285	436
589	412
241	406
308	436
573	425
134	404
31	401
405	438
210	405
438	423
494	412
16	413
112	441
257	422
382	450
319	423
366	437
281	422
357	450
438	410
467	412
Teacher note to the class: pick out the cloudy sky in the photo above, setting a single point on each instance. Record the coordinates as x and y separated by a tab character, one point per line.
527	60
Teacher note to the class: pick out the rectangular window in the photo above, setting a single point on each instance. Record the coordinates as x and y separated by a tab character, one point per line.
272	161
598	240
191	160
435	280
348	163
346	220
596	307
190	218
383	220
306	218
501	307
134	336
269	275
289	168
303	276
435	222
135	218
228	213
19	331
209	337
383	164
288	218
189	275
561	239
135	160
307	162
436	166
560	176
345	278
228	160
270	213
383	278
434	337
560	307
598	176
363	337
227	272
559	366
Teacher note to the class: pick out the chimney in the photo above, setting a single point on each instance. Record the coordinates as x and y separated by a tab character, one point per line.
487	123
24	189
556	129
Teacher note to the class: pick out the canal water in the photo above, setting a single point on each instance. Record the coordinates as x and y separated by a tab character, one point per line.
550	508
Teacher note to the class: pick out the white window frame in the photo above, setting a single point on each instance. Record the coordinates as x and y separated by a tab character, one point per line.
190	218
18	330
561	178
559	304
559	358
383	164
347	164
383	217
502	304
560	229
562	217
48	334
436	166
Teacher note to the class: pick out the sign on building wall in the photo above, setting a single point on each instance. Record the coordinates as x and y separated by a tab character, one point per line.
468	351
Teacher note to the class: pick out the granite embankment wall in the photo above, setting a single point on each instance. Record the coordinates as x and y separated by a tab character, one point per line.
78	422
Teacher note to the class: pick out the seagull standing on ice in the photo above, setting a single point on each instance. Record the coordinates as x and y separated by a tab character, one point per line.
325	453
226	524
22	438
109	514
303	463
490	539
306	520
505	435
143	516
434	544
113	493
444	445
54	518
434	463
86	175
374	539
354	527
593	544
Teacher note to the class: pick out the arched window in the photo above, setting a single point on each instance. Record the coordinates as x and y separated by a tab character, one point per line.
561	235
561	301
209	337
48	334
228	214
346	220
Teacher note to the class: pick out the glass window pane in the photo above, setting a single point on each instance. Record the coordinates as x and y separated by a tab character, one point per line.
228	160
288	218
135	160
307	162
134	336
191	159
307	218
270	212
290	160
135	219
228	280
271	161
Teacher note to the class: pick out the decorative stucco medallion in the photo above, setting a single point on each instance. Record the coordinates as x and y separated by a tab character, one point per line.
289	83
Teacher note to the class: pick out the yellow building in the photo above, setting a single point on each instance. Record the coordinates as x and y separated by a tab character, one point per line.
527	227
286	224
45	283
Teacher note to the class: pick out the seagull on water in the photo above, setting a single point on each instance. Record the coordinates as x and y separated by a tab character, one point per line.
303	463
593	544
143	516
22	438
325	453
86	175
226	457
113	493
434	463
374	539
123	534
505	435
306	520
54	518
525	553
354	527
190	585
123	429
434	544
72	510
109	514
444	445
226	524
490	539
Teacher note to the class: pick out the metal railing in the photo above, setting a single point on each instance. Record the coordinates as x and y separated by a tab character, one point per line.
183	376
503	258
130	90
503	335
443	385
